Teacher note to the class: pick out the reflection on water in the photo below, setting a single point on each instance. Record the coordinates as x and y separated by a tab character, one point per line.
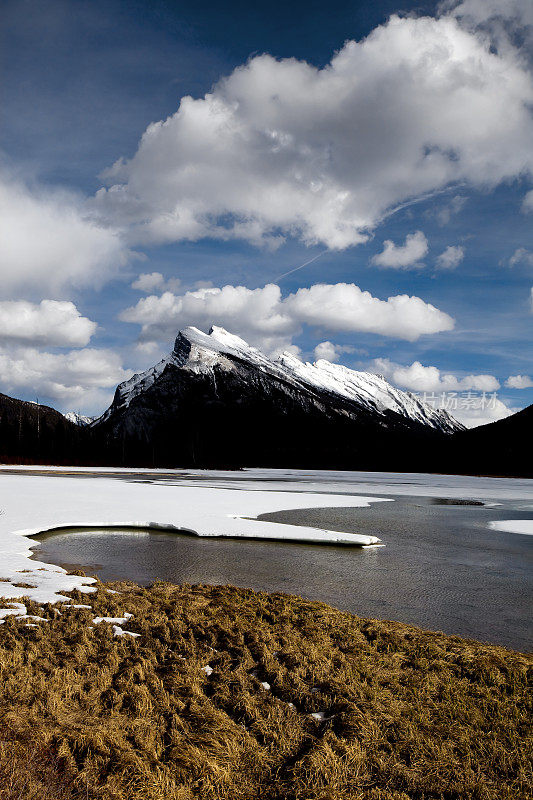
442	567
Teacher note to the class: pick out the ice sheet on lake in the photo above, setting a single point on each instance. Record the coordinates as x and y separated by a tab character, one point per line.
322	481
31	504
464	487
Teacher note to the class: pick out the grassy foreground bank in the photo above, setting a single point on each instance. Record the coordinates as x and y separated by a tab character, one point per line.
400	713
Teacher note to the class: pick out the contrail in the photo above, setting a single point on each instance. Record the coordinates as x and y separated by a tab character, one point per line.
387	214
300	267
414	200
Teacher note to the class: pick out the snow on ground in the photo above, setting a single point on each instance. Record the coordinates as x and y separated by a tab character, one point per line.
113	620
118	631
31	504
18	609
321	716
524	526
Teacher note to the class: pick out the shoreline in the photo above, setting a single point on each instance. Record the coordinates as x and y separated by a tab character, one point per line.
92	602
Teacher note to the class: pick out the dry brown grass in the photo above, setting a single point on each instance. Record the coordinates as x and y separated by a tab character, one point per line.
29	770
414	715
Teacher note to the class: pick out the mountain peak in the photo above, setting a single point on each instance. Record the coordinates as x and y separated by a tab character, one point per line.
218	339
201	353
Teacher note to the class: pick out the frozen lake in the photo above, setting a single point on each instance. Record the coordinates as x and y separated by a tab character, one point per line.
443	566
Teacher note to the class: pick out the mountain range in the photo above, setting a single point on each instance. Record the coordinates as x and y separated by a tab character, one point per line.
215	401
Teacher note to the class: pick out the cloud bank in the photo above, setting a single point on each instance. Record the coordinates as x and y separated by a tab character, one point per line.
418	378
266	319
519	382
281	148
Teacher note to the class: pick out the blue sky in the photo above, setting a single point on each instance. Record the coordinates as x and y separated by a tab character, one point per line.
418	133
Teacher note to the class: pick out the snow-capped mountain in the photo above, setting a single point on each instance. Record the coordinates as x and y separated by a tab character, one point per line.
215	400
78	419
200	353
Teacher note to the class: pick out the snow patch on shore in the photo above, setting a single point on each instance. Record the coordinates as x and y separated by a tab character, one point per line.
523	526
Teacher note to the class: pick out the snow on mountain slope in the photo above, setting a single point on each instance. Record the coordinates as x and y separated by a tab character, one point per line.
198	352
78	419
368	389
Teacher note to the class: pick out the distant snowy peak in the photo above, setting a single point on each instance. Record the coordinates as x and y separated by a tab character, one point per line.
78	419
198	352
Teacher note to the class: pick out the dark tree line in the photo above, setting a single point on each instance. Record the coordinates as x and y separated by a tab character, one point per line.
32	433
193	431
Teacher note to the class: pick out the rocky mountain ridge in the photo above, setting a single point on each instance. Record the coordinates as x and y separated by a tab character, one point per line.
199	353
216	400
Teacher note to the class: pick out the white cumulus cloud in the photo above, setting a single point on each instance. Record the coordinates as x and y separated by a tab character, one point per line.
50	322
255	314
402	256
450	258
155	282
519	382
280	147
331	352
48	243
346	307
476	411
265	318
